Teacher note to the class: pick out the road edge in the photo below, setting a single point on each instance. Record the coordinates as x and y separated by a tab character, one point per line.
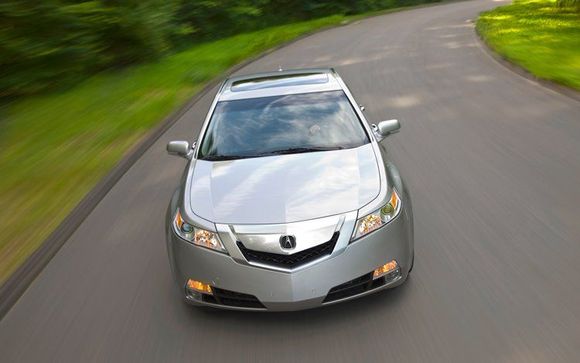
521	71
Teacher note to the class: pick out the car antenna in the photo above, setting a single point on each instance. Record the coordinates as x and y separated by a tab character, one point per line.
280	68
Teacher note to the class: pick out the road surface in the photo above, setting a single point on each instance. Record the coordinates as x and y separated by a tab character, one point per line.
493	164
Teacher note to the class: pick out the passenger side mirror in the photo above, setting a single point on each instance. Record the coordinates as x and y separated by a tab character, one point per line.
386	128
180	148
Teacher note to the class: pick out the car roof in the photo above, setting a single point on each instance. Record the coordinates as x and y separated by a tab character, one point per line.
279	83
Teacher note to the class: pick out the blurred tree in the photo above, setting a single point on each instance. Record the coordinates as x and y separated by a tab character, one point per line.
574	4
219	18
136	30
53	43
44	43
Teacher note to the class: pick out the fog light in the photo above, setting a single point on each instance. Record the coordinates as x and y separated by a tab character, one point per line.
385	269
198	286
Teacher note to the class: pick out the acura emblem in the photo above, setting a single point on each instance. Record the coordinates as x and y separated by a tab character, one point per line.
287	242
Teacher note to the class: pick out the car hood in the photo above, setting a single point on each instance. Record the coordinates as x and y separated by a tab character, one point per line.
284	188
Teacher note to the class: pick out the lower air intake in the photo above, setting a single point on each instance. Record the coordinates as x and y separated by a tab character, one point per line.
232	298
354	287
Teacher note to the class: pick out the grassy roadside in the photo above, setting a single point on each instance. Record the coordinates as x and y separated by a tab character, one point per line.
537	35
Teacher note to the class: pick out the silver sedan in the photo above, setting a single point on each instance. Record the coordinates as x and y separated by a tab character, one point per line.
288	200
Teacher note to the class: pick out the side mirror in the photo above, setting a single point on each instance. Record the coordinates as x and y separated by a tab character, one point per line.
180	148
386	128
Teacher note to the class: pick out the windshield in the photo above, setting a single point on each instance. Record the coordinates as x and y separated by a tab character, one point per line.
282	125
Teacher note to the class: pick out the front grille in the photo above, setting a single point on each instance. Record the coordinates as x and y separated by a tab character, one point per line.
354	287
232	298
293	260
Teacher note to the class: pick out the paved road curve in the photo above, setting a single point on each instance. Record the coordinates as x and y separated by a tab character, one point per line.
492	160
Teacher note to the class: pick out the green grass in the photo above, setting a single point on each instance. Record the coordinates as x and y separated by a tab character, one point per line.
55	148
537	35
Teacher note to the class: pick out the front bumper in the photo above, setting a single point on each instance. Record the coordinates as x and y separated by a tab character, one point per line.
302	288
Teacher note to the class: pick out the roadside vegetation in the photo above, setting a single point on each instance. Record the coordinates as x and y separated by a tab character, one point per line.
82	82
542	36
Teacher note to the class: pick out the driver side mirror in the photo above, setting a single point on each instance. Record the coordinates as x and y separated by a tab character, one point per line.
386	128
180	148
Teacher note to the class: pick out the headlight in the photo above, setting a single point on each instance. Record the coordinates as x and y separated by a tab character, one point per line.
378	218
195	235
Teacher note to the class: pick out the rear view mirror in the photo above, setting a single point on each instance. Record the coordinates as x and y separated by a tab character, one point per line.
386	128
180	148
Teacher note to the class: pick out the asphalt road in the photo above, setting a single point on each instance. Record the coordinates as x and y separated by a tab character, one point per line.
493	164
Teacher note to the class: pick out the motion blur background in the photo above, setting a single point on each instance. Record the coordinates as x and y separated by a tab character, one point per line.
491	159
82	82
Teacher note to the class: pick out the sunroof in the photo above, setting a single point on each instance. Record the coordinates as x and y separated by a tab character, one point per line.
280	81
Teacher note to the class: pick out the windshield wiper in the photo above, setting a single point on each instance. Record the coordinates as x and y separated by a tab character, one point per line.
298	150
293	150
223	157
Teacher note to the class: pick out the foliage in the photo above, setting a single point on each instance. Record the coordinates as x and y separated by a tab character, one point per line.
569	4
41	42
538	35
50	43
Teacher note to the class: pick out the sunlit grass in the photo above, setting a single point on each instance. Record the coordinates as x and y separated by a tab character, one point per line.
538	35
55	148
